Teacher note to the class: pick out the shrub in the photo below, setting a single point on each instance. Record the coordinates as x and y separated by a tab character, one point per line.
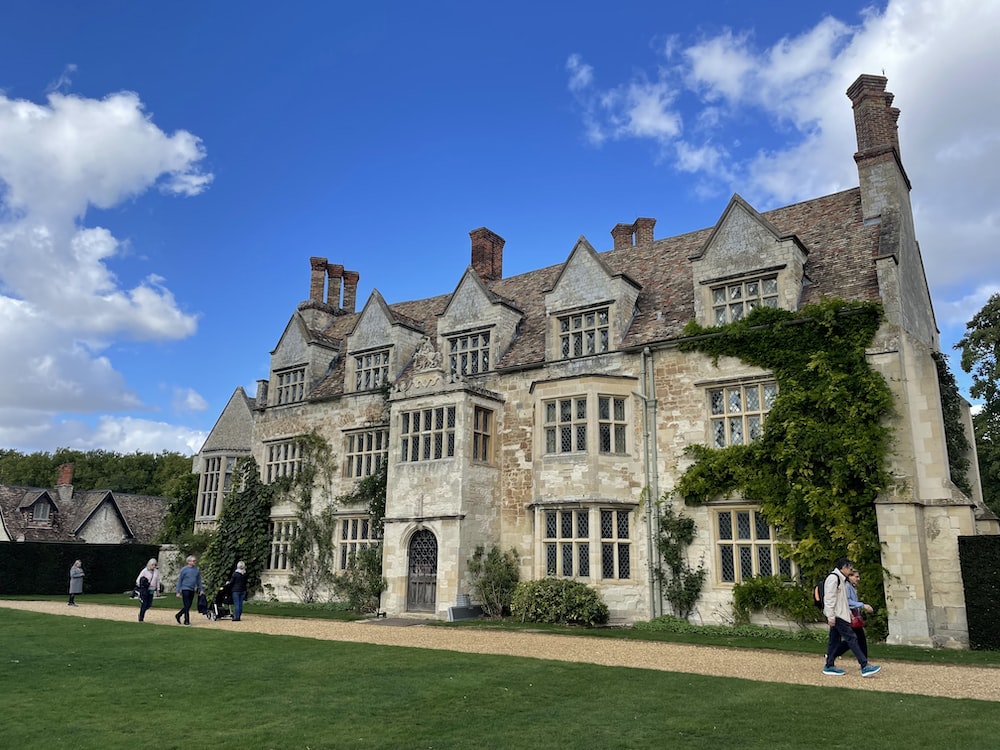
362	584
496	576
555	600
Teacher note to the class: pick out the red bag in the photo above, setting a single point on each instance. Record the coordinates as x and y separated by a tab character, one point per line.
857	621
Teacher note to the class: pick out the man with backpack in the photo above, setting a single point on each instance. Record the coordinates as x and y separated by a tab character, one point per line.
838	616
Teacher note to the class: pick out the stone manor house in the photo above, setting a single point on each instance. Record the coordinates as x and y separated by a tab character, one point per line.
530	412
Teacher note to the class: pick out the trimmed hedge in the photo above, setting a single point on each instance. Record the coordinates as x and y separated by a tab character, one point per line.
980	560
43	567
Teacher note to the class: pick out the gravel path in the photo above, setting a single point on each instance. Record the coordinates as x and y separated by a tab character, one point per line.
982	683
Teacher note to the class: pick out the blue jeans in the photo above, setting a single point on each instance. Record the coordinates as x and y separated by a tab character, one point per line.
842	638
238	597
145	602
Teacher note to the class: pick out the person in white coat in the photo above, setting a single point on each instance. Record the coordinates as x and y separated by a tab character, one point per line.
147	583
838	617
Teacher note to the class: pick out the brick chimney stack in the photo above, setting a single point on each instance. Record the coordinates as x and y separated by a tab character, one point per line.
875	119
639	232
65	475
334	273
317	279
487	254
622	235
64	484
644	230
350	290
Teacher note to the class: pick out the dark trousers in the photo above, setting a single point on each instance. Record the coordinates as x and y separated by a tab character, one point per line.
238	597
145	602
862	642
187	597
843	638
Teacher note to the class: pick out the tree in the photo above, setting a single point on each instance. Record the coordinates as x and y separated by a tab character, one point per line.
980	348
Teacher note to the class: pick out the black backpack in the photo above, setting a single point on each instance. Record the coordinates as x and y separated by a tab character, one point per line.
818	593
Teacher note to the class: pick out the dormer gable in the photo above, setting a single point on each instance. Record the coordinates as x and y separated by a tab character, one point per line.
379	346
104	523
589	307
39	508
476	326
300	359
745	263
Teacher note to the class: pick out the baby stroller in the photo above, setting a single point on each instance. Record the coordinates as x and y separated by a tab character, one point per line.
221	603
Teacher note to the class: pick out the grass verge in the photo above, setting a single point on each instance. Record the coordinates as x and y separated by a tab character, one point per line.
81	683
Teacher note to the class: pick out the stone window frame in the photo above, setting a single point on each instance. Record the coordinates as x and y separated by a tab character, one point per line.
612	425
730	423
573	329
282	532
483	426
282	458
371	369
745	545
208	491
427	434
565	424
354	533
290	385
470	352
734	299
365	450
616	543
570	534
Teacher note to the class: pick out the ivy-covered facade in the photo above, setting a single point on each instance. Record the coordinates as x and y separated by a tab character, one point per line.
772	377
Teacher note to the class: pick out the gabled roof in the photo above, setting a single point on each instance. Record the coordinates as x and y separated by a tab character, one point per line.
840	263
141	516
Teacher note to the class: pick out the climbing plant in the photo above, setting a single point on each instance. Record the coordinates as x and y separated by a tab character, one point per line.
681	584
243	532
954	433
821	461
312	550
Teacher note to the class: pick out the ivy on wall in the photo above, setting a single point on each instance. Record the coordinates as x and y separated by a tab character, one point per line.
954	433
821	461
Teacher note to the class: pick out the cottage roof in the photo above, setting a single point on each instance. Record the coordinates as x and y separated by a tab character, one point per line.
141	516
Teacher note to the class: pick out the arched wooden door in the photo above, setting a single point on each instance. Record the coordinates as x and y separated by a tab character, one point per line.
421	585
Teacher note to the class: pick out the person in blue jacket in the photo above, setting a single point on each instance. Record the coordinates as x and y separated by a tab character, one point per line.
188	585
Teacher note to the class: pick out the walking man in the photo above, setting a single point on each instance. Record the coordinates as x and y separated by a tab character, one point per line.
838	616
188	585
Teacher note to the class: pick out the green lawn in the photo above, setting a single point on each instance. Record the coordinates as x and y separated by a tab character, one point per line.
79	683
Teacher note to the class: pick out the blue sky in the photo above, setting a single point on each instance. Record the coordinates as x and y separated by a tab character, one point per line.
167	169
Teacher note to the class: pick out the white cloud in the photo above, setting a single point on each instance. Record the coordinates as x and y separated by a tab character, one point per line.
33	431
188	400
61	306
939	59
